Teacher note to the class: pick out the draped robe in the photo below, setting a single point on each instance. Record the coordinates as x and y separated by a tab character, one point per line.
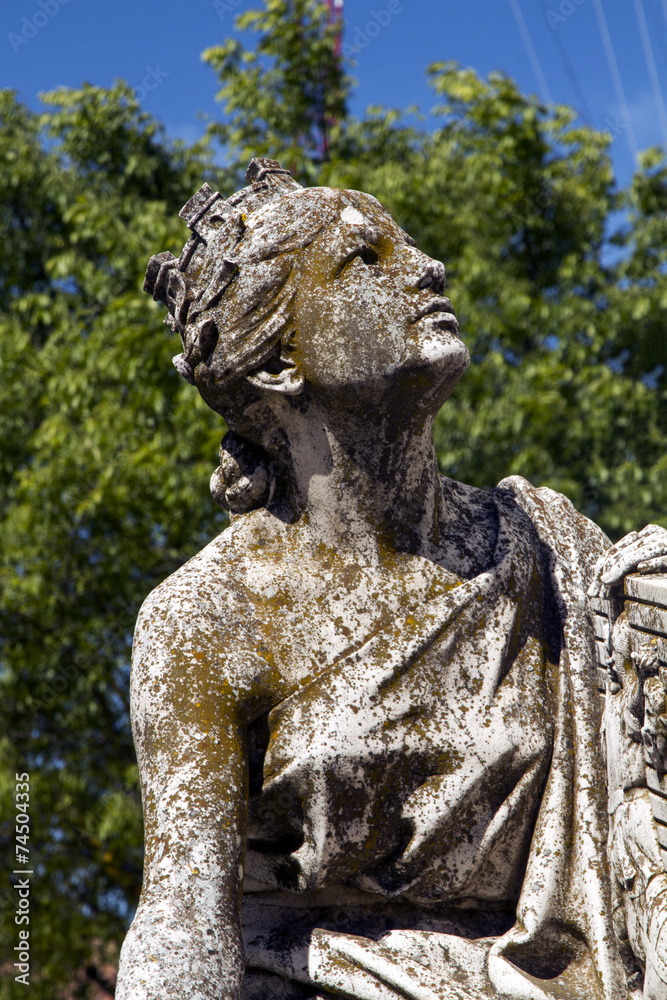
427	816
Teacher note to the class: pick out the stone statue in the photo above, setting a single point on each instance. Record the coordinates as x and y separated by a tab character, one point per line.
367	715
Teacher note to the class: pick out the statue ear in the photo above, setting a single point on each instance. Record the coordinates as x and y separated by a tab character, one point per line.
278	375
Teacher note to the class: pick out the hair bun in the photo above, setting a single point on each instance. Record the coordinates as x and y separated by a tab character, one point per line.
242	481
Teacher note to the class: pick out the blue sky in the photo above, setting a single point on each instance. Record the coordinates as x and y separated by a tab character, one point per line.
608	58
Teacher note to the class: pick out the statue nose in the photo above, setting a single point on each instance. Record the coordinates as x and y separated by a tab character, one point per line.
433	276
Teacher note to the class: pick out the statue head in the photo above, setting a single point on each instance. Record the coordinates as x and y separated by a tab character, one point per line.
299	293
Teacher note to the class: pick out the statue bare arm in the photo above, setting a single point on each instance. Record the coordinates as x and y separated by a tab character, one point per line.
185	940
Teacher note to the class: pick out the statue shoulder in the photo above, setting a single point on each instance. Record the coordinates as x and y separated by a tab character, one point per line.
202	598
542	503
575	541
200	584
197	631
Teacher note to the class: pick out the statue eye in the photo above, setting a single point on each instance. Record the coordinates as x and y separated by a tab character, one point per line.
366	254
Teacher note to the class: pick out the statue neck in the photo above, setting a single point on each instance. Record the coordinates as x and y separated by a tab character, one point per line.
366	486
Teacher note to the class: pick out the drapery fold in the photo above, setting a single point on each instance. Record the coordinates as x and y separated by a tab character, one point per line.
431	821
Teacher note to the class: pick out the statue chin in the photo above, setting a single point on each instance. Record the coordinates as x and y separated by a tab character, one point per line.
446	354
430	373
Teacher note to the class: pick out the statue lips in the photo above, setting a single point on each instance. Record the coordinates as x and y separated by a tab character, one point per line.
441	308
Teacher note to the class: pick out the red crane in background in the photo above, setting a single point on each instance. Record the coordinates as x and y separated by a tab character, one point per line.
336	15
335	18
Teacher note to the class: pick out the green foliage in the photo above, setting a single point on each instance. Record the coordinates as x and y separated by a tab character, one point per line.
286	98
106	452
103	475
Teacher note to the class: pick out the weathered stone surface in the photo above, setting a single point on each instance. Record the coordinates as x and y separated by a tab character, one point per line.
636	735
647	616
367	715
601	627
652	589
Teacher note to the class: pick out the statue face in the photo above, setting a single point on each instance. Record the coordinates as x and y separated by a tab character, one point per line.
371	313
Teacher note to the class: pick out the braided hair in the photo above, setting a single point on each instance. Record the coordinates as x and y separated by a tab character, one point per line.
229	296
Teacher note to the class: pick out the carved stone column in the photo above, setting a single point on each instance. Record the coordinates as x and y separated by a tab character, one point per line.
631	639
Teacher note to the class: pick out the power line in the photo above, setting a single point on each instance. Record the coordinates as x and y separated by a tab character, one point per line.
615	76
651	67
530	51
657	35
571	75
